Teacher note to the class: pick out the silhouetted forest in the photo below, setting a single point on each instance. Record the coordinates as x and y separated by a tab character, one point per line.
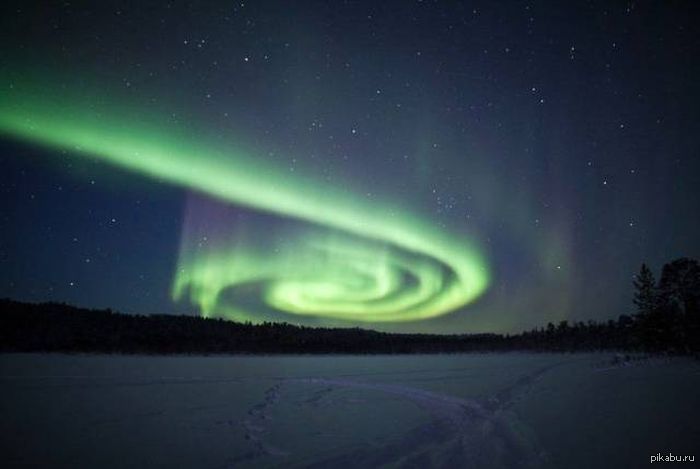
666	320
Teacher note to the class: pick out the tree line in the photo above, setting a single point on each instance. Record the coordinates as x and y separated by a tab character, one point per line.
665	320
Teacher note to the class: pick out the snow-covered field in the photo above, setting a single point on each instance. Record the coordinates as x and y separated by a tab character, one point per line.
493	410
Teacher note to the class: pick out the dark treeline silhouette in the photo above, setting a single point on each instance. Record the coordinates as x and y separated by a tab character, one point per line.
666	320
668	311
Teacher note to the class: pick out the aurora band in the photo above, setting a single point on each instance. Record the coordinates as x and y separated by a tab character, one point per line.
386	265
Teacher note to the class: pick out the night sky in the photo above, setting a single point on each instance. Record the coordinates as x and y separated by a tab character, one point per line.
400	165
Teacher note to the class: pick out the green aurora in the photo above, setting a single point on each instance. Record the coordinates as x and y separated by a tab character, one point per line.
348	258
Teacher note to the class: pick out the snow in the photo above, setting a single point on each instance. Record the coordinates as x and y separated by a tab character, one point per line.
491	410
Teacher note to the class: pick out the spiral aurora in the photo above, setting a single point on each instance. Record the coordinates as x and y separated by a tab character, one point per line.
345	258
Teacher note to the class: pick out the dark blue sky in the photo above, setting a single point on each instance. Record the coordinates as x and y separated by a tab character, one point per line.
562	136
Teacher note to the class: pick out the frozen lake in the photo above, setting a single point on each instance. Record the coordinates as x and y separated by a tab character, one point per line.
493	410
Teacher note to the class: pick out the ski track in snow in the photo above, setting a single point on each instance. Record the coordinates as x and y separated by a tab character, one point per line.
456	433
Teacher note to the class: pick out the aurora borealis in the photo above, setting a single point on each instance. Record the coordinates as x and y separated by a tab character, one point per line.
390	266
409	166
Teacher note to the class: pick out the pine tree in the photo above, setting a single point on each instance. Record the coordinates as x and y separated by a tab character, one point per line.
679	299
679	286
645	296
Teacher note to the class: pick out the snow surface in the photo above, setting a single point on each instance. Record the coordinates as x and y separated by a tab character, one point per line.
491	410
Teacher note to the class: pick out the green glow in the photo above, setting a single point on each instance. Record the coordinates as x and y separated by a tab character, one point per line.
385	265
